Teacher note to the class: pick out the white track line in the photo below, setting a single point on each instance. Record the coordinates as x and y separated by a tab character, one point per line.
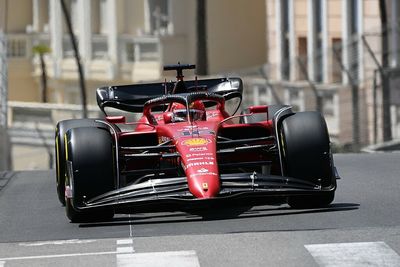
354	254
125	250
57	242
159	259
58	256
130	227
124	241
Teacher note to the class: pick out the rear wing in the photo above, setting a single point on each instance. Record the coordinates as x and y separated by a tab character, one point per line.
131	98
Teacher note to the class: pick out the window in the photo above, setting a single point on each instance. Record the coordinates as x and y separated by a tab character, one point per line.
16	48
353	5
130	52
353	42
336	60
99	17
103	17
74	15
159	13
68	51
67	45
302	52
318	54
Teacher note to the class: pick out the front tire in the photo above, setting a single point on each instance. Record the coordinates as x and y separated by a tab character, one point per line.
61	128
307	156
90	152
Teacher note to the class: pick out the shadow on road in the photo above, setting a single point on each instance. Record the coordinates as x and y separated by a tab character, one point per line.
218	214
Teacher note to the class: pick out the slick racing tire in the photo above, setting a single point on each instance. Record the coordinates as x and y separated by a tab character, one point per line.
61	128
306	156
90	158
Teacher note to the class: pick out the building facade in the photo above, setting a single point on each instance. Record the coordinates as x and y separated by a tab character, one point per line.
124	41
311	54
332	48
120	42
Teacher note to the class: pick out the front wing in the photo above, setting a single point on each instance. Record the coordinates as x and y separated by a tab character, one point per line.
173	193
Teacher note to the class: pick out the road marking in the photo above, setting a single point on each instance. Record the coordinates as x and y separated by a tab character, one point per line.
130	227
159	259
125	245
125	250
56	242
354	254
59	256
2	263
124	241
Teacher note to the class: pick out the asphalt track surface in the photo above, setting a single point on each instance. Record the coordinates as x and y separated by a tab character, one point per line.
365	214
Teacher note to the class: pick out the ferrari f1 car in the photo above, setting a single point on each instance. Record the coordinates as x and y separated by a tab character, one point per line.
187	151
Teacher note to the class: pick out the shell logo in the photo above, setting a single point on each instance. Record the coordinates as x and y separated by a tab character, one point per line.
196	142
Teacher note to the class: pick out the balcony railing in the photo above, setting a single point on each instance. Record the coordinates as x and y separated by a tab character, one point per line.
18	45
68	51
139	49
99	47
132	49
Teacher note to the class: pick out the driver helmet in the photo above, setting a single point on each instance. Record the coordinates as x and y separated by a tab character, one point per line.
197	112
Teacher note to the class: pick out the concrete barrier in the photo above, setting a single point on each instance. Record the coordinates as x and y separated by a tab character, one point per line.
5	156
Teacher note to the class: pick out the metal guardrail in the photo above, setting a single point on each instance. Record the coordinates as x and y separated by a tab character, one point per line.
29	114
31	128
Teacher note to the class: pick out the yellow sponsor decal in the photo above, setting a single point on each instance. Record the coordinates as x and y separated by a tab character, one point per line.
196	142
57	157
66	146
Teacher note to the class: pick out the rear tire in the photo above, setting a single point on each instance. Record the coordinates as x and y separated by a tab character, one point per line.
61	128
90	151
306	156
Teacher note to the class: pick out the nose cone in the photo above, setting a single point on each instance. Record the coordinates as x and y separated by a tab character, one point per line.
206	186
200	163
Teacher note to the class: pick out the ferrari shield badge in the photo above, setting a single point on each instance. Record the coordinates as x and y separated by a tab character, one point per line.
205	186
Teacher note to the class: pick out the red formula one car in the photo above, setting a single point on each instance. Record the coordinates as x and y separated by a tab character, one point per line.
188	152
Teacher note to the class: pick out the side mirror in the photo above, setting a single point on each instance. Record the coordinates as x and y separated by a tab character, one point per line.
167	116
116	119
258	109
